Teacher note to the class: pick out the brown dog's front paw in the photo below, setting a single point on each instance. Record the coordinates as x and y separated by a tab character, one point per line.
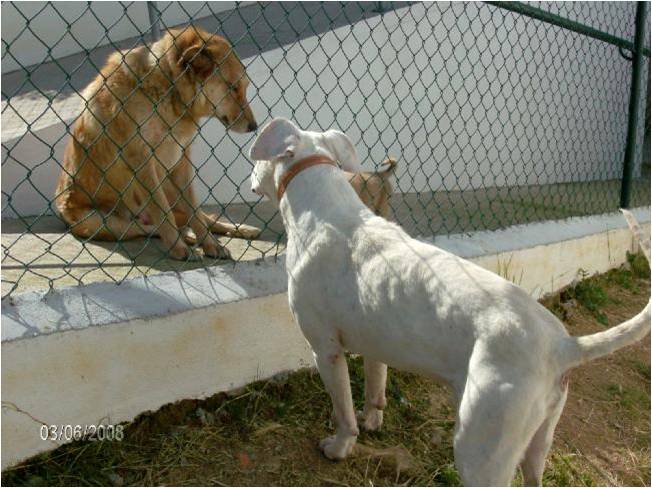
213	249
244	231
184	253
188	236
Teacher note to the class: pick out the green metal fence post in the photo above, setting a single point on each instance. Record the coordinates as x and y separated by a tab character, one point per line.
565	23
634	102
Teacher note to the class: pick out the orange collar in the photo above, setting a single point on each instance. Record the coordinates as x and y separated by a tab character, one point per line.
297	168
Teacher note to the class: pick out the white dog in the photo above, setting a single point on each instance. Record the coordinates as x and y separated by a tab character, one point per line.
358	282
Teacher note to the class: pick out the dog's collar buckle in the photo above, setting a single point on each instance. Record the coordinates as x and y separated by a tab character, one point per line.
297	168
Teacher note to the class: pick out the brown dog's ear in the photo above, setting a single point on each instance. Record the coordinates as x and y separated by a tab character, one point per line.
192	51
197	58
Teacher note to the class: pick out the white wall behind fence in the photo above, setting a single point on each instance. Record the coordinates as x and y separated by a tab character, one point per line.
486	98
65	28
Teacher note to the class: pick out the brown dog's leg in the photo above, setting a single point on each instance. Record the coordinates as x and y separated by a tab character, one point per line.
159	211
91	224
186	212
241	231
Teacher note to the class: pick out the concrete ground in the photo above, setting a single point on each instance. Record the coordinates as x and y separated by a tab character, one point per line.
39	254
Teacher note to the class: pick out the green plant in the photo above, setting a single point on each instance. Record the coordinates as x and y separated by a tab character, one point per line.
505	270
638	265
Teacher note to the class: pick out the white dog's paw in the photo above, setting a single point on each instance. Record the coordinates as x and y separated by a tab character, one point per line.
337	449
371	420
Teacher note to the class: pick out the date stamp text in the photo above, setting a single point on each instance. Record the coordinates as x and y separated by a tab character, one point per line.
68	432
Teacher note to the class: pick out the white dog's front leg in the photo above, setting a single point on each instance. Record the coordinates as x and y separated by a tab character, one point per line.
375	377
335	375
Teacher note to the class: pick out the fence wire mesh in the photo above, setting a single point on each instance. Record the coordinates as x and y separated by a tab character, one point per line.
496	118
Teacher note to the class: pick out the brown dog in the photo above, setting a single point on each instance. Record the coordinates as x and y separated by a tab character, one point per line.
126	169
374	188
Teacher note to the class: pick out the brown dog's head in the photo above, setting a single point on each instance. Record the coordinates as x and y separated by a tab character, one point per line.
220	77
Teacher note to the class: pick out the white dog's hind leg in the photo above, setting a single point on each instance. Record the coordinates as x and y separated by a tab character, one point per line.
375	377
493	429
534	461
334	373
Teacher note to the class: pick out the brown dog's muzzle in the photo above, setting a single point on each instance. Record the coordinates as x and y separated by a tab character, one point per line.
252	125
244	122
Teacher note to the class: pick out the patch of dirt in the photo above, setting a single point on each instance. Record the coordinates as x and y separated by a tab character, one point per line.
268	432
607	416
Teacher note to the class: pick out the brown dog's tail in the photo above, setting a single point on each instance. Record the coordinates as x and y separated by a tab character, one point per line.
391	166
579	350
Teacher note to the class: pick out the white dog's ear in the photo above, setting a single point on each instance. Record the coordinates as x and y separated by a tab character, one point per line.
278	139
343	149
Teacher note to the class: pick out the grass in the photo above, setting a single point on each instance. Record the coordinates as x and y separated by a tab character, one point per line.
641	368
591	293
592	296
563	472
230	436
505	271
267	433
629	397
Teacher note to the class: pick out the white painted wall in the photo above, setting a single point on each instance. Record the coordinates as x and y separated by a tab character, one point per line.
68	27
491	99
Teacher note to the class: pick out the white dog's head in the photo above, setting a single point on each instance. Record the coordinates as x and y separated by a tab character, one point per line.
281	143
262	180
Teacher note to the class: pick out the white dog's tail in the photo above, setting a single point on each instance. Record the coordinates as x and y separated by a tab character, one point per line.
579	350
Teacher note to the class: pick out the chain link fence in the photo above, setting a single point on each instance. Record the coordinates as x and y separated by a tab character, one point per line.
498	114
